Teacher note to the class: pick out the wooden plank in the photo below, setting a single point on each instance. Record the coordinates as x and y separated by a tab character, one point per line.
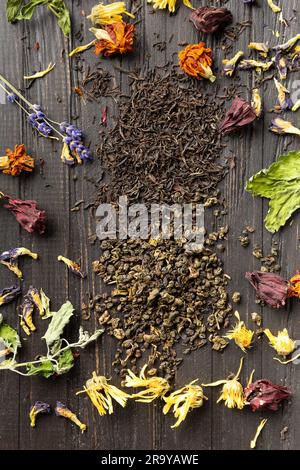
138	426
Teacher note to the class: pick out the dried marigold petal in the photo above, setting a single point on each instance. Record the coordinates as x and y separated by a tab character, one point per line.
196	60
16	161
121	42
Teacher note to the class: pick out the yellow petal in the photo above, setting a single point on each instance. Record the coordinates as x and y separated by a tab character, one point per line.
40	74
101	34
257	434
79	49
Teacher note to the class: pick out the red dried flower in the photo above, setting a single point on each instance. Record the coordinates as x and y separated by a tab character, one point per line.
264	395
270	287
27	214
210	19
239	115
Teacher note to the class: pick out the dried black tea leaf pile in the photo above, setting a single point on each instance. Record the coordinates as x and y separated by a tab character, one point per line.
161	296
165	145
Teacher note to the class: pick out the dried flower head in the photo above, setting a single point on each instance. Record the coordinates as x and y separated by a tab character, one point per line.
210	19
63	411
27	213
38	408
155	387
294	287
196	60
240	334
282	343
72	266
265	395
9	294
284	99
232	391
9	259
108	14
258	65
282	64
101	394
35	297
260	47
270	288
239	115
287	45
26	312
119	39
229	65
280	126
170	4
16	161
184	400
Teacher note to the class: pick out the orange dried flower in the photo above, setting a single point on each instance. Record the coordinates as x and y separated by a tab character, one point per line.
16	161
122	36
196	60
294	288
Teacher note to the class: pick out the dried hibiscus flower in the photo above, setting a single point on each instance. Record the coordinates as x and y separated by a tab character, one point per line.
210	19
196	60
270	287
264	395
239	115
29	216
16	161
114	39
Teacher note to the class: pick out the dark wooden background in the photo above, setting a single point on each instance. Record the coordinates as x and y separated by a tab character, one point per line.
58	187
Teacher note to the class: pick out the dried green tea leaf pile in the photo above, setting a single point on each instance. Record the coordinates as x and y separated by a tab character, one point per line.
165	145
161	296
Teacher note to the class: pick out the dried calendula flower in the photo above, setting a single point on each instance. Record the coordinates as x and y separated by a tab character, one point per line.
170	4
232	391
119	40
282	343
184	400
196	60
287	45
274	8
38	408
16	161
284	99
210	19
265	395
101	394
229	65
240	334
26	320
258	432
270	288
9	294
155	387
239	115
62	410
72	266
108	14
294	287
256	102
10	259
280	126
27	213
260	47
258	65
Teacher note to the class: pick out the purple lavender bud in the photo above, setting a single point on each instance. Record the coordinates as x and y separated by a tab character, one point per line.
44	129
80	148
77	135
67	140
70	130
40	115
86	155
73	145
11	97
63	126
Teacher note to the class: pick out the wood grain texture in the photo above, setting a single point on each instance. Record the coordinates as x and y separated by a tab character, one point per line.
57	190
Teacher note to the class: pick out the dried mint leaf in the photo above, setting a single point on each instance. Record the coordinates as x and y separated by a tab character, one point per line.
281	184
12	9
9	337
58	322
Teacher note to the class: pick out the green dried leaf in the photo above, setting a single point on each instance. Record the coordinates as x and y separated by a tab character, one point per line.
65	362
59	320
12	9
45	368
85	338
46	305
9	337
27	10
281	184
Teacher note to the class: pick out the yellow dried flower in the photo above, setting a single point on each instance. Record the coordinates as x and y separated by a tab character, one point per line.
280	126
229	65
274	8
101	393
282	343
184	400
240	334
170	4
260	47
64	412
155	387
232	391
108	14
256	102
